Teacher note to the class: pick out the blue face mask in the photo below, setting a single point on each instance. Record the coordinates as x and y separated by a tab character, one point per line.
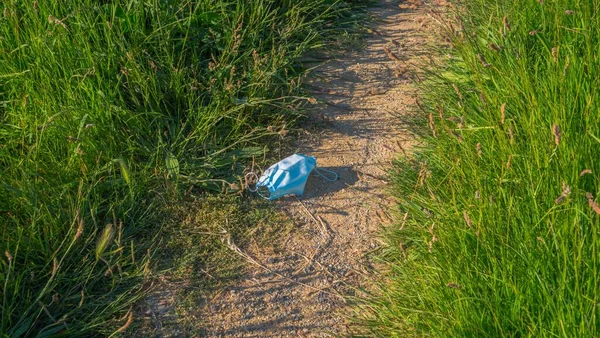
289	176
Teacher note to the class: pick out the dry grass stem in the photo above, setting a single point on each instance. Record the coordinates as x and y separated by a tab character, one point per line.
390	54
432	125
457	91
125	326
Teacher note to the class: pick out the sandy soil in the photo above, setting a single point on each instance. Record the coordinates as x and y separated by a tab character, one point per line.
297	288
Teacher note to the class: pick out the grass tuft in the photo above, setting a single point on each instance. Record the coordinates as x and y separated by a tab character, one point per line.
109	111
502	233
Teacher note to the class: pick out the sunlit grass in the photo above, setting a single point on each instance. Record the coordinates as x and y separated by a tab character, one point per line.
501	237
108	110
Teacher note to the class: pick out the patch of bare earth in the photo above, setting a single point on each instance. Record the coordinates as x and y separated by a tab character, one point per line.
297	287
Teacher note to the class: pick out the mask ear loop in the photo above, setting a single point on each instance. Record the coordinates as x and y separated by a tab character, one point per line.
319	170
252	175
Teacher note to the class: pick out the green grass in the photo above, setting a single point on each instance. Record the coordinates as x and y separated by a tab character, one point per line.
502	234
109	112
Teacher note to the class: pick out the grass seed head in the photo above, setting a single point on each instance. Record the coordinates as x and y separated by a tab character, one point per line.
423	174
152	65
454	286
8	256
79	228
484	63
506	23
592	203
595	207
557	134
494	47
559	199
457	135
104	240
433	240
457	91
502	113
566	191
56	22
569	12
440	110
584	172
555	54
533	32
478	148
467	219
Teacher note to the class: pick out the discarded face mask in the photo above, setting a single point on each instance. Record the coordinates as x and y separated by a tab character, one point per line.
289	176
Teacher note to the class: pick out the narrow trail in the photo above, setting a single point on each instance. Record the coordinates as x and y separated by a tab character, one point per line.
298	290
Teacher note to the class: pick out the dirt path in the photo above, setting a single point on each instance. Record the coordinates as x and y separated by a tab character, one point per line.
297	291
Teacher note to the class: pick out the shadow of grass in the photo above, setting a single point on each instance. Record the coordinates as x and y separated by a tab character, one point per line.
193	261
